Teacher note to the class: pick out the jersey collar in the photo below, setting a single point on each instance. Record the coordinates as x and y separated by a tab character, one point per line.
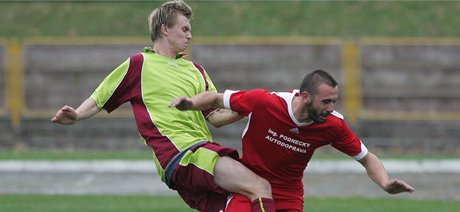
178	55
289	97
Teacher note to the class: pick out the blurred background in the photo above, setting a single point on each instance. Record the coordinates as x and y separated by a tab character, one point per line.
397	63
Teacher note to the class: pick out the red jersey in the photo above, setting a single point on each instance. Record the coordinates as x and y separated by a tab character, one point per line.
278	147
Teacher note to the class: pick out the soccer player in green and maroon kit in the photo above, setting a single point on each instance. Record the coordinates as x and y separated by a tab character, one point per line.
283	131
187	159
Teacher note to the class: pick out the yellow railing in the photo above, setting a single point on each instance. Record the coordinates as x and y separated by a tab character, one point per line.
14	76
352	77
3	111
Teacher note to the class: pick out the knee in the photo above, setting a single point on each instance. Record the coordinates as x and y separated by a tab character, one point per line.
263	186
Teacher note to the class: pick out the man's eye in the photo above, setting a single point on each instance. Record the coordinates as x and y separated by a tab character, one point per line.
328	101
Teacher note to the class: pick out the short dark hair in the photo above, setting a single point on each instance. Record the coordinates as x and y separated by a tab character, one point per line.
311	82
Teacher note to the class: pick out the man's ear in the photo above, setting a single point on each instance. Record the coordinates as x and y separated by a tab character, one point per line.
306	96
164	29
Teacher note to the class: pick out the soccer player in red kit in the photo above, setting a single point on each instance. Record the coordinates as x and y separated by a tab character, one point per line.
283	131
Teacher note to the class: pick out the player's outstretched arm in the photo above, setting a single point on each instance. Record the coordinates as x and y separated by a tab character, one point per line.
207	100
202	101
68	115
379	175
396	186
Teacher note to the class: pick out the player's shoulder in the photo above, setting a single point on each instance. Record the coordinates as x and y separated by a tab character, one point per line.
336	119
337	115
283	95
258	94
273	95
137	57
258	91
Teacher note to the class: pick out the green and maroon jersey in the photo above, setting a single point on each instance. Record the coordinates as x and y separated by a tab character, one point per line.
150	81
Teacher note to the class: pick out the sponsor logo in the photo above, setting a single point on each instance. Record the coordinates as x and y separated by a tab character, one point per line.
172	63
295	130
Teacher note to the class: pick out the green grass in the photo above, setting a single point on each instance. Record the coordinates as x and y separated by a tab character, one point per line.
378	204
69	203
237	18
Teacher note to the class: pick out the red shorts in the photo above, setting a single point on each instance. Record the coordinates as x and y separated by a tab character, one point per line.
193	178
239	203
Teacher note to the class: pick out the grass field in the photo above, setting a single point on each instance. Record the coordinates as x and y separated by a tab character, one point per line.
236	18
49	203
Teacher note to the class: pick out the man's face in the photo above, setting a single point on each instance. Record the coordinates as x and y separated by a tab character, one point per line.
322	104
180	34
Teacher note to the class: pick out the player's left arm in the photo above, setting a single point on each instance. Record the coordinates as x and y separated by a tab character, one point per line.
376	171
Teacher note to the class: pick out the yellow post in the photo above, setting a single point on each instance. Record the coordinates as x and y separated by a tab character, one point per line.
352	77
14	81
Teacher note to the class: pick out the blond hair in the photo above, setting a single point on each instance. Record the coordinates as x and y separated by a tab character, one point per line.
166	14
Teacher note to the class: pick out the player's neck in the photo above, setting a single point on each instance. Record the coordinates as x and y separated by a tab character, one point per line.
299	110
164	50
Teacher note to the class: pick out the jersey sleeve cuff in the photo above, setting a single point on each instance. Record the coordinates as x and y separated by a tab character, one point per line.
227	95
363	152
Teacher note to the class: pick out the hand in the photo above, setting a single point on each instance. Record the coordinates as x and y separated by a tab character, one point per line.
397	186
182	103
66	116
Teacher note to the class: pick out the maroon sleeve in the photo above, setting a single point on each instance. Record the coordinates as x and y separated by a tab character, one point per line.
207	112
128	86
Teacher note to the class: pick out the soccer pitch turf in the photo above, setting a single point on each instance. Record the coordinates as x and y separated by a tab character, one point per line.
71	203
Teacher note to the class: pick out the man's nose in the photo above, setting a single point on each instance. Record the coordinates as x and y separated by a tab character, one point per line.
330	108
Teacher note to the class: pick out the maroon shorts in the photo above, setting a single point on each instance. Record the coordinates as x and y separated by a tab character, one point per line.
193	177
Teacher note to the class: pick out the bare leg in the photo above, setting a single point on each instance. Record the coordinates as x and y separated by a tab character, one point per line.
233	176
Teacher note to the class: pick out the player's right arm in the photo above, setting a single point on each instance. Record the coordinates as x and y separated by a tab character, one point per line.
201	102
68	115
205	101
